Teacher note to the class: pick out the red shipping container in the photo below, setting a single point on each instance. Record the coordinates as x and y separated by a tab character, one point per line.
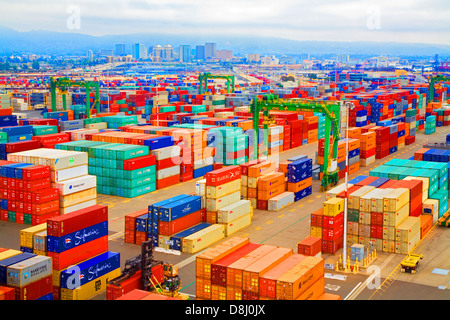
35	185
75	255
376	218
219	268
310	246
140	236
366	181
244	166
44	208
22	146
77	220
332	246
130	218
45	195
376	231
38	219
247	295
166	182
139	163
35	289
116	290
186	176
7	293
167	163
331	234
177	225
262	204
221	176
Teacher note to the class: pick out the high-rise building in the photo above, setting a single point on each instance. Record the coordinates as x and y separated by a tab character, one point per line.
210	50
106	52
185	53
90	55
119	49
167	53
224	54
157	53
139	51
200	52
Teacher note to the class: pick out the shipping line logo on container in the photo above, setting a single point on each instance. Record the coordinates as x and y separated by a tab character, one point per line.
80	237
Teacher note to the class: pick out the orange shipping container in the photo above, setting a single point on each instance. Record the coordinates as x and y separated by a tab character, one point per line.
205	259
298	186
272	180
426	223
251	274
267	280
218	292
283	166
234	293
235	270
275	191
316	290
203	288
295	282
329	296
261	169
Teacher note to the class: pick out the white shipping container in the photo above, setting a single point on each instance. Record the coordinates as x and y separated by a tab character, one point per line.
168	172
336	190
98	125
377	204
219	203
200	187
353	198
167	152
244	181
280	201
388	233
78	197
234	211
252	182
244	192
30	270
389	246
75	185
80	134
69	173
430	206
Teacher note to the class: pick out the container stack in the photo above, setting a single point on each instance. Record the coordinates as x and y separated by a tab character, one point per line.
430	125
32	239
275	136
368	147
238	269
250	181
18	133
29	275
332	225
231	145
27	194
68	174
222	188
122	170
299	178
167	166
69	254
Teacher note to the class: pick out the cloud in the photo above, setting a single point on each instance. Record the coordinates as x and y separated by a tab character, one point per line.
346	20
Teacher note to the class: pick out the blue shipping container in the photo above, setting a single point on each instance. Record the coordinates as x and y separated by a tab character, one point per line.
10	261
180	208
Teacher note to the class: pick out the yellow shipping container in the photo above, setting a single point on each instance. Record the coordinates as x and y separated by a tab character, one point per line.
77	197
406	230
237	224
396	199
405	247
393	219
219	203
90	289
9	253
26	235
316	231
223	190
332	207
388	233
389	246
203	238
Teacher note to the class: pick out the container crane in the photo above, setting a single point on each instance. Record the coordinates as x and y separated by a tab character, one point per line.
431	87
332	120
203	79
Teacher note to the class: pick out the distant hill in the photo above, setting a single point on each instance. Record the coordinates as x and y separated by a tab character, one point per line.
68	43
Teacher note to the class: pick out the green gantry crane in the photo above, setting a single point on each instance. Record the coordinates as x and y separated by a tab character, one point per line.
64	83
203	79
432	81
332	113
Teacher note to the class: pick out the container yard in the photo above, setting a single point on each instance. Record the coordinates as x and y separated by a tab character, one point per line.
224	179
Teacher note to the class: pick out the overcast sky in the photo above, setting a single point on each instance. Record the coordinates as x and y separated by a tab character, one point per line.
371	20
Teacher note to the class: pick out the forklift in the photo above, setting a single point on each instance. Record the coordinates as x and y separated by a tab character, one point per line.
167	282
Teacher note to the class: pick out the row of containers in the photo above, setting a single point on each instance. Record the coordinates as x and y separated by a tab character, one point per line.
66	258
226	196
390	210
43	183
238	269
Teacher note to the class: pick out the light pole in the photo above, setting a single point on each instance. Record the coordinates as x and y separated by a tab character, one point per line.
349	106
